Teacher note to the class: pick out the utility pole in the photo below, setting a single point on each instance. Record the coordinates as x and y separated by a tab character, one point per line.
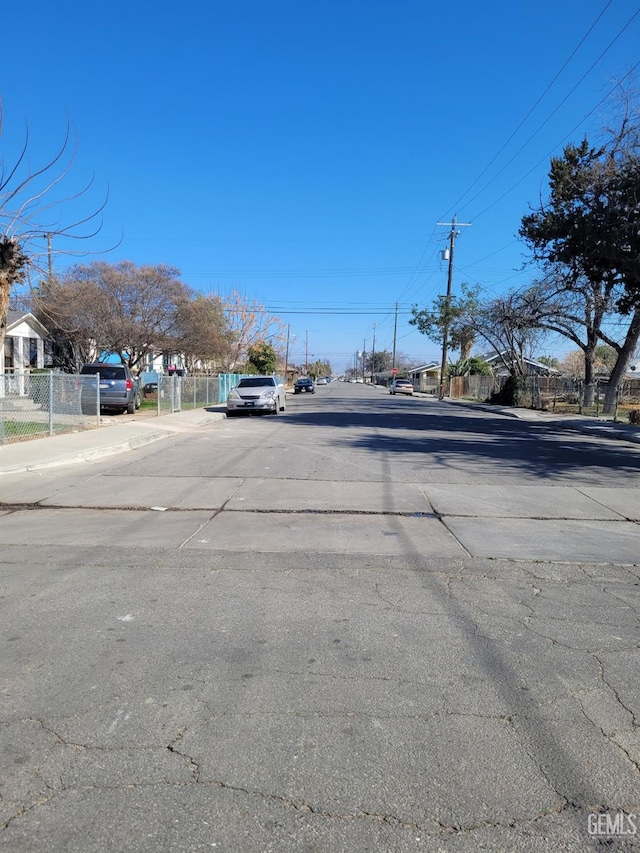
445	331
395	334
364	350
306	353
49	257
373	356
286	357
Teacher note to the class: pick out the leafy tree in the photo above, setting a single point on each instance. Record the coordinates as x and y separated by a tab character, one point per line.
472	366
606	357
549	360
590	224
378	362
453	314
319	368
263	357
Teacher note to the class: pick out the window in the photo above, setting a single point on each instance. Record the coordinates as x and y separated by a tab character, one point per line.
33	352
106	371
256	382
8	353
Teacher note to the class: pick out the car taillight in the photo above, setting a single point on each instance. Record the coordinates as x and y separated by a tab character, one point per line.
129	385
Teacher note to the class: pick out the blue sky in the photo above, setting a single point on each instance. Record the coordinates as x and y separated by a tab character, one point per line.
303	153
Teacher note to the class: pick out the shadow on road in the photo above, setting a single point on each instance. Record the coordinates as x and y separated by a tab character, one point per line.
431	431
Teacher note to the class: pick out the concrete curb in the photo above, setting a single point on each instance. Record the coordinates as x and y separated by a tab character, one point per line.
59	450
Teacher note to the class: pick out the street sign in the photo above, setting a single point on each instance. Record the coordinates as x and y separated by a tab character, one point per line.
394	370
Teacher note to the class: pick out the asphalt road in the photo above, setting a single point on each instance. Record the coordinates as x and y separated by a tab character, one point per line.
370	623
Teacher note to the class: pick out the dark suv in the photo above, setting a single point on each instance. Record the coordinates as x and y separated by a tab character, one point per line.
118	388
304	384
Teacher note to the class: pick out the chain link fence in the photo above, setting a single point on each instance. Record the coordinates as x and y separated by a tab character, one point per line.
37	404
33	405
550	393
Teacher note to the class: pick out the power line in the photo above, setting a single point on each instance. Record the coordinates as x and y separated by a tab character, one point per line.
529	113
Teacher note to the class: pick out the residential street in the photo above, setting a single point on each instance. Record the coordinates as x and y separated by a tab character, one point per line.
371	623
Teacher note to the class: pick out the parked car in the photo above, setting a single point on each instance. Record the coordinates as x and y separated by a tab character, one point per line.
321	381
304	384
256	394
401	386
119	389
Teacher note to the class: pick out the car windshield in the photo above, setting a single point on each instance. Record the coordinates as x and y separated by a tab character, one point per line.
106	371
256	382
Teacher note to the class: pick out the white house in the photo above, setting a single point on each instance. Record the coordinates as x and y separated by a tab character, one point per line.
633	369
25	345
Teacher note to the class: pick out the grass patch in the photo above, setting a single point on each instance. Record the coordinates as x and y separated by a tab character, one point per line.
24	430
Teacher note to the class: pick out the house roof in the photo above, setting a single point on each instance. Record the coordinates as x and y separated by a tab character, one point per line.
495	356
425	368
633	369
14	318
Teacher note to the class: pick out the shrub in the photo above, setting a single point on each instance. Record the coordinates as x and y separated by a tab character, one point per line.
511	393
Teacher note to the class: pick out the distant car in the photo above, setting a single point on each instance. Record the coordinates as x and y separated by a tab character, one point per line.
304	384
321	381
256	394
401	386
119	389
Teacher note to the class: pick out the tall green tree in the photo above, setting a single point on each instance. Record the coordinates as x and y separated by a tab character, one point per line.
590	224
453	314
263	357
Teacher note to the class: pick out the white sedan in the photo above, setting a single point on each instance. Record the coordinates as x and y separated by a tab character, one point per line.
401	386
256	394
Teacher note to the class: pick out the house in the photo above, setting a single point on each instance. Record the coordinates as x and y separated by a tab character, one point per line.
425	377
26	345
633	369
533	367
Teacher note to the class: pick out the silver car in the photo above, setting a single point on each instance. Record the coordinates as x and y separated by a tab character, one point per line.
256	394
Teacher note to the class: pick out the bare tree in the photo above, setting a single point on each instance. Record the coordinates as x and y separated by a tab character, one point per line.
201	333
576	307
249	322
117	308
504	324
29	204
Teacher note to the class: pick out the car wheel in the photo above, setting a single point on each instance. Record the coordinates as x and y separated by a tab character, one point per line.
130	408
231	414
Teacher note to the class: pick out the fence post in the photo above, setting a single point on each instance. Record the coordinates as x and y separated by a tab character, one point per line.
51	402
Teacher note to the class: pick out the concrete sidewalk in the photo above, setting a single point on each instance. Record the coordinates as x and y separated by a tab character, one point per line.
597	427
109	439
